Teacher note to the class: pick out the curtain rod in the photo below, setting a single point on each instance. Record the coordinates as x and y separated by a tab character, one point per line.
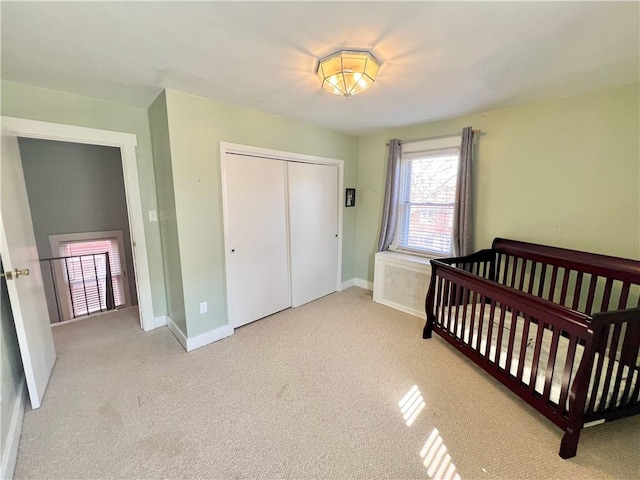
402	142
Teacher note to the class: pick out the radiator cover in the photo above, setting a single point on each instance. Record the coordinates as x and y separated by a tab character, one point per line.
401	281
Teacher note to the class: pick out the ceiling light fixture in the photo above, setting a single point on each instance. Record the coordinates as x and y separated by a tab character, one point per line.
348	72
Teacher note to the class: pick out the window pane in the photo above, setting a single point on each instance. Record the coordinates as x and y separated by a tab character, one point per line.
433	179
430	228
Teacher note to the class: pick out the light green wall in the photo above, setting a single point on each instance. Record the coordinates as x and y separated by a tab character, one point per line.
159	126
34	103
564	172
196	128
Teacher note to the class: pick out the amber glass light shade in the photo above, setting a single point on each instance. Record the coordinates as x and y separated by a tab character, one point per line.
348	72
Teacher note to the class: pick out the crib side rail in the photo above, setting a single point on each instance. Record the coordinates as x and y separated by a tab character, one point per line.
557	339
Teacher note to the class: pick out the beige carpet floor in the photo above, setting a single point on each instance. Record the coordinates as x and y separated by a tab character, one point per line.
312	392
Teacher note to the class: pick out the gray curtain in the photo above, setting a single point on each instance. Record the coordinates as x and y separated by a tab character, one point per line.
391	193
462	211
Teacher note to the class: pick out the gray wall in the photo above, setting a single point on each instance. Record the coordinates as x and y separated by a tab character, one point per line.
74	188
10	365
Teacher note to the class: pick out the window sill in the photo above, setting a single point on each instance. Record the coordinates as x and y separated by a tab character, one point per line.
404	258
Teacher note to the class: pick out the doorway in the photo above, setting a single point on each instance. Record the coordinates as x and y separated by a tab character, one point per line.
18	246
79	213
126	144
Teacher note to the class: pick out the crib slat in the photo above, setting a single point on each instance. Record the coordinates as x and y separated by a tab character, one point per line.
565	286
619	373
495	272
514	271
543	275
492	312
596	381
522	274
612	357
624	296
536	357
551	362
576	292
483	305
474	301
629	356
506	269
439	301
465	303
604	306
532	277
455	309
590	296
523	346
512	336
636	391
552	287
566	376
503	312
449	297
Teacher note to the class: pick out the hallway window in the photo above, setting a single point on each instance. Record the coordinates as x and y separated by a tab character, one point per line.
84	270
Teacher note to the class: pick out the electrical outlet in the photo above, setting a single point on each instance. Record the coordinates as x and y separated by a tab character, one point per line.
203	307
153	216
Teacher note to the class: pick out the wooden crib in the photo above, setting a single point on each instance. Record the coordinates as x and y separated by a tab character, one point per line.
560	328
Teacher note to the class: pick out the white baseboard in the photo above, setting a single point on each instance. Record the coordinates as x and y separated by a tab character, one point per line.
403	308
177	332
359	282
206	338
160	321
209	337
347	284
10	451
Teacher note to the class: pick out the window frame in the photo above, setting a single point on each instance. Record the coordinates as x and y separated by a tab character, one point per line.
410	151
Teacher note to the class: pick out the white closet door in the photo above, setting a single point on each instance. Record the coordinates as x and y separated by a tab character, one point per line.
256	239
313	225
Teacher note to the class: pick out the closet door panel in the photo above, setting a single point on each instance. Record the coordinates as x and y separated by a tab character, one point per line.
257	262
313	226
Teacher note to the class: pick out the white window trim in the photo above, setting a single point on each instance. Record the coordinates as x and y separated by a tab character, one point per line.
413	148
56	240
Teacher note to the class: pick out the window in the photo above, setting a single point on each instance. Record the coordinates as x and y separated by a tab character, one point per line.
85	274
429	172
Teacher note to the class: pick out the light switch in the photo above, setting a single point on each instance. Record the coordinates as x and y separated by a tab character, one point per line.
203	308
153	216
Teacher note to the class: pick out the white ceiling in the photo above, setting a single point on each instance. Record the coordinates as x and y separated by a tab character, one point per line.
439	59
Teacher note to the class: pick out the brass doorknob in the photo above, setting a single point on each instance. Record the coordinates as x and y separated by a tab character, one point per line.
10	275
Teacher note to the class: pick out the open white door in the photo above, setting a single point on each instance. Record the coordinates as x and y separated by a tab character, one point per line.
23	274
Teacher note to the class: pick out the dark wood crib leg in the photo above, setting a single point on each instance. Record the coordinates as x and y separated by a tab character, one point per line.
428	327
429	307
569	445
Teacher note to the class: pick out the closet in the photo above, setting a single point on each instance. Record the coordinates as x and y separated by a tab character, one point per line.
281	233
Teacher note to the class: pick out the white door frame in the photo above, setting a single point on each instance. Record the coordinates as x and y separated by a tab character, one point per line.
227	149
126	142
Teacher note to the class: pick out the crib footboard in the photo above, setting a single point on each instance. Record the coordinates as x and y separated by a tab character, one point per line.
541	351
616	368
